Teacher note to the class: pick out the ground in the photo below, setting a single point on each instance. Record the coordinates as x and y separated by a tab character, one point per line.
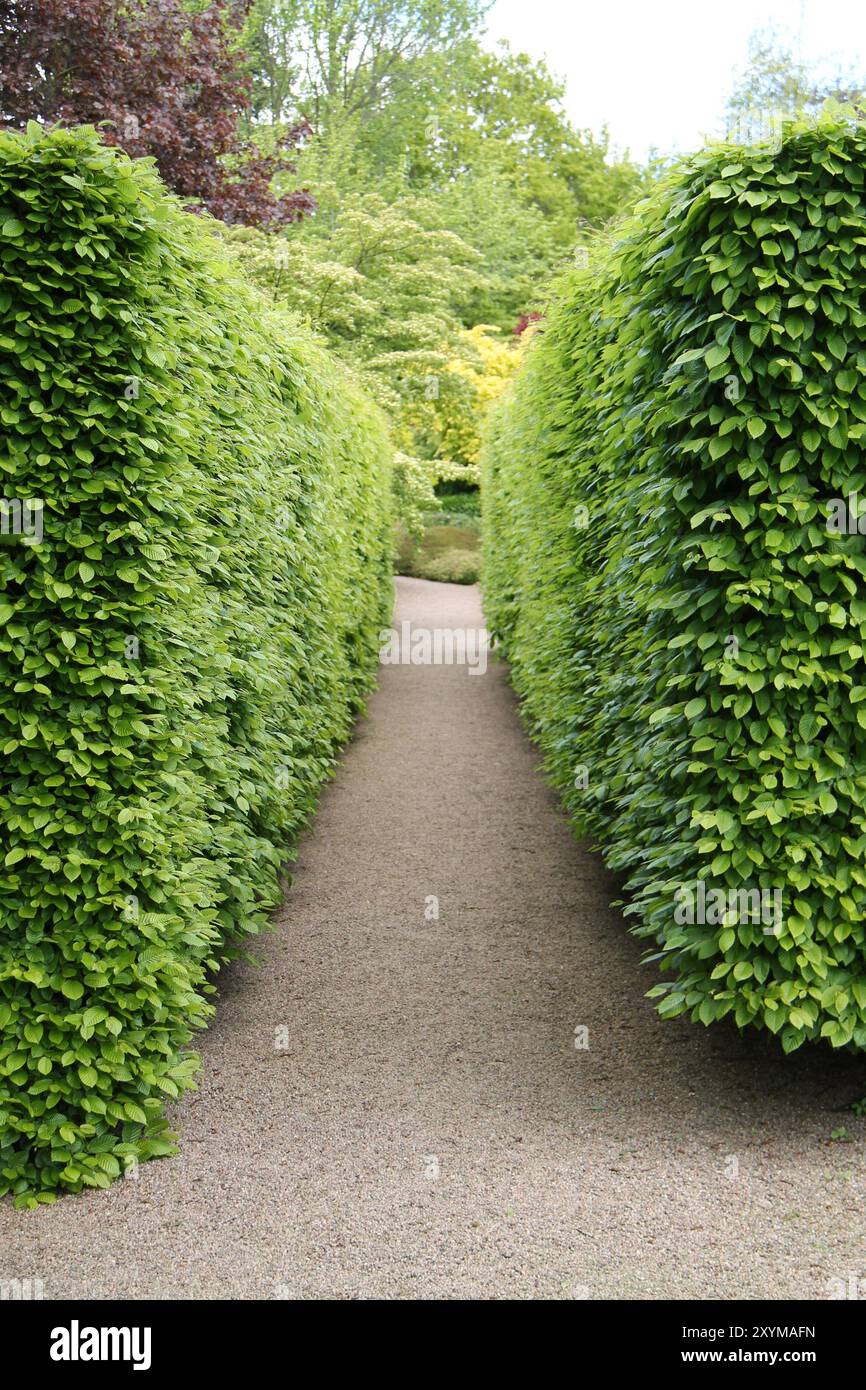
424	1126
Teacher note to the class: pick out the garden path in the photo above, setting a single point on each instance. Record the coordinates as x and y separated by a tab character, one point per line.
424	1126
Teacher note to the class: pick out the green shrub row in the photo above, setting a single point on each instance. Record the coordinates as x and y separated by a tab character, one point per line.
188	627
685	622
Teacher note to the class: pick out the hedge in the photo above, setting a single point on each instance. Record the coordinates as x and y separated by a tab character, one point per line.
188	627
666	570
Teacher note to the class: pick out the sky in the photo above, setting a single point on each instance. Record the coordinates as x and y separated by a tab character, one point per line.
658	72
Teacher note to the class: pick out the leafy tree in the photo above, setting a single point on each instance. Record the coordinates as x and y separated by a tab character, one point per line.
273	62
503	111
774	80
381	286
407	90
496	361
160	80
517	242
351	54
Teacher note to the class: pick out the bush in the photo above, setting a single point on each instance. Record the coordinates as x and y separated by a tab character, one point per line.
451	567
413	492
469	522
441	537
684	625
181	652
459	503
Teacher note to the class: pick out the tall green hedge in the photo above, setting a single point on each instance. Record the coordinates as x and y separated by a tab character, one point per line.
185	638
685	623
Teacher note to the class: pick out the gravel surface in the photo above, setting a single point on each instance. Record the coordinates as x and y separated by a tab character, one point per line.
425	1126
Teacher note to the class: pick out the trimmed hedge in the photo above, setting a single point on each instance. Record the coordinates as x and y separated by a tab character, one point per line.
181	653
685	625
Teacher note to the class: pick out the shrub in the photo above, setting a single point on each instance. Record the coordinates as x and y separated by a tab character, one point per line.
181	652
455	503
487	366
413	492
451	567
441	538
417	484
685	627
469	522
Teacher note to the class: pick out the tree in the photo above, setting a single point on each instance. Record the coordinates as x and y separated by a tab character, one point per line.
482	184
381	286
159	80
774	80
516	240
351	54
498	358
409	87
482	136
501	112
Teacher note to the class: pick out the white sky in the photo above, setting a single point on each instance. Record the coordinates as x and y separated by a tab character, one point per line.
658	72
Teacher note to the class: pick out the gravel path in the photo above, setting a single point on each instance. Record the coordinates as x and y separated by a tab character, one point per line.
427	1127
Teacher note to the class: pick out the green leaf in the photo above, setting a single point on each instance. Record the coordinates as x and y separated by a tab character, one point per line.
716	355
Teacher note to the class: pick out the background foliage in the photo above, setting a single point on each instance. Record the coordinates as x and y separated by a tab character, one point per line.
167	80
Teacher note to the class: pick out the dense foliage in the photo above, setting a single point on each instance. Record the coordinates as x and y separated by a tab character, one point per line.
677	576
406	100
379	285
185	637
442	183
159	78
